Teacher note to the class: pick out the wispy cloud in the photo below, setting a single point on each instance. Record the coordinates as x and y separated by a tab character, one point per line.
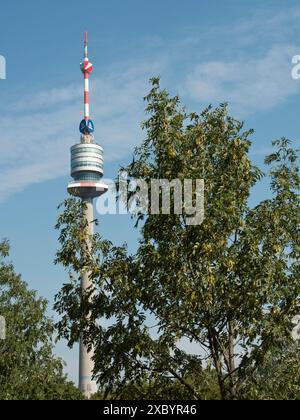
247	64
47	99
35	145
268	25
248	84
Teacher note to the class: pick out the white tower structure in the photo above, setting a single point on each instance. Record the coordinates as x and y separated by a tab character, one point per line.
87	171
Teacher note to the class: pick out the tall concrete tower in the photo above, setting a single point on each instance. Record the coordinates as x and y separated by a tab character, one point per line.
87	171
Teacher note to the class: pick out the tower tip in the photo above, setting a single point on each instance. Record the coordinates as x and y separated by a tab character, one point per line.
86	125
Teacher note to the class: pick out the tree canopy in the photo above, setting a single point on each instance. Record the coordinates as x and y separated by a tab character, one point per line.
229	287
28	368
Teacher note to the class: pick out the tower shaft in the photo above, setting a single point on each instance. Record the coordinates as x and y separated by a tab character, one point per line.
86	365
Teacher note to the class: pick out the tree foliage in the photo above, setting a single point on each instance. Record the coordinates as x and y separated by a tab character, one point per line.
161	388
279	376
28	368
229	287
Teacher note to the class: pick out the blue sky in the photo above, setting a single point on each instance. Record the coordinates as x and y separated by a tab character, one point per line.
205	51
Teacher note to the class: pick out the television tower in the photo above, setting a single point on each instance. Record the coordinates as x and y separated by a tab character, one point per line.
87	171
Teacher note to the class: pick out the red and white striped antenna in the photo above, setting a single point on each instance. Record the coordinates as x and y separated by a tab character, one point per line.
86	68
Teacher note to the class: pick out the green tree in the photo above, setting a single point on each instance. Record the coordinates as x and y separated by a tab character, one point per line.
279	376
28	368
161	388
230	286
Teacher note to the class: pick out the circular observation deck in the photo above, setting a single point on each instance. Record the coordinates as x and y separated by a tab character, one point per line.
86	158
87	171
